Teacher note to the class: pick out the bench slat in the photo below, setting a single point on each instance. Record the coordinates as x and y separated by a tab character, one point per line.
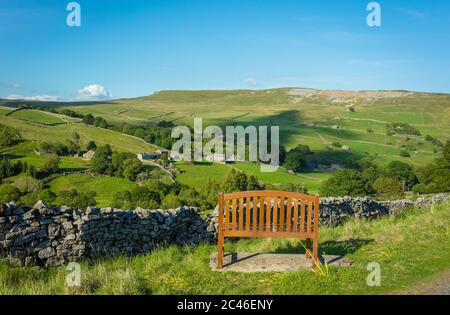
308	218
233	215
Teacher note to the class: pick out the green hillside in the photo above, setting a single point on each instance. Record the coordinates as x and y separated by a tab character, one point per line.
357	121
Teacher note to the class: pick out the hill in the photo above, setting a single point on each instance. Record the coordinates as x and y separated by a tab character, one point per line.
335	124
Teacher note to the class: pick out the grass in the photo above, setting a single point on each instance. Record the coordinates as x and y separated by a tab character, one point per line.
62	133
410	248
312	181
307	121
39	117
196	175
104	186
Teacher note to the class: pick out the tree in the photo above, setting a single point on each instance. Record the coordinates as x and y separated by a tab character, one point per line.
252	183
436	176
9	193
77	200
388	189
101	162
91	146
117	161
145	198
131	168
31	171
100	122
235	181
6	169
296	158
73	147
283	153
402	172
88	119
345	182
52	165
8	136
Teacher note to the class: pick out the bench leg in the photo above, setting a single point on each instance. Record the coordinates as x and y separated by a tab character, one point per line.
220	252
308	248
315	253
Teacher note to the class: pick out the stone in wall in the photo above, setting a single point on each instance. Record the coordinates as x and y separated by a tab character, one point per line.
53	236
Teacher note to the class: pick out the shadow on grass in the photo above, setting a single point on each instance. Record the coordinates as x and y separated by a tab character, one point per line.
341	248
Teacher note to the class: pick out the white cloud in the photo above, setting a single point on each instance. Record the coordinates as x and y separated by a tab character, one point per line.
93	92
43	98
250	82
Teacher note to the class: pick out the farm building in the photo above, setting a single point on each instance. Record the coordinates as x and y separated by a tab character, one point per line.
88	155
149	156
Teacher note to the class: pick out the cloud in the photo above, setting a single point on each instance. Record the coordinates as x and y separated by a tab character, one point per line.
250	82
42	98
93	92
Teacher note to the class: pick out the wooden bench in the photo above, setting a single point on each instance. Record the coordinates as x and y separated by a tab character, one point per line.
269	214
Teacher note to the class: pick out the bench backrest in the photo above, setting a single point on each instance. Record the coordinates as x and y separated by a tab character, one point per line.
268	214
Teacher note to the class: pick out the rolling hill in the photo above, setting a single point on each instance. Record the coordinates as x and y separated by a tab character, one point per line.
357	121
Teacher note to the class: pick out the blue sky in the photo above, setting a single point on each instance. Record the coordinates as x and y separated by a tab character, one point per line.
127	48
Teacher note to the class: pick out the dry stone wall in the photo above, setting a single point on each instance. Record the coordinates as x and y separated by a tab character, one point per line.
52	236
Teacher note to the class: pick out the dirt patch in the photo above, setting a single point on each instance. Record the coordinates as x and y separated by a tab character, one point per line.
256	262
438	285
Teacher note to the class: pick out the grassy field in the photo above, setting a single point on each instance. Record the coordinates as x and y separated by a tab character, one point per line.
5	110
410	249
316	120
62	133
195	175
39	117
104	186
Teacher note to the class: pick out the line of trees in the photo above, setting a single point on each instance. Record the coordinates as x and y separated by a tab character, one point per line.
366	178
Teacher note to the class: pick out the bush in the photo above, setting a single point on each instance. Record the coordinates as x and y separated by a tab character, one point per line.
346	182
171	201
8	136
405	154
296	158
131	168
402	128
30	199
91	146
388	189
337	144
77	200
402	172
6	168
9	193
51	166
27	184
